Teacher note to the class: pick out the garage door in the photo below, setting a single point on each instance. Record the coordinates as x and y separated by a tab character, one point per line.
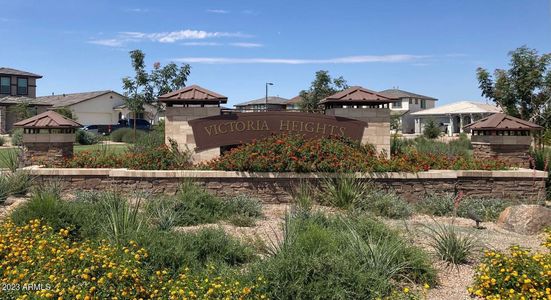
89	118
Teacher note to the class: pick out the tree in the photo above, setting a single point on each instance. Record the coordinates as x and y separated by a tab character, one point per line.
22	110
431	130
322	87
524	90
66	112
145	87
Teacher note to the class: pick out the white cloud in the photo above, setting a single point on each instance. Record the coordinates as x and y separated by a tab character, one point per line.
107	42
391	58
136	10
201	44
164	37
218	11
246	45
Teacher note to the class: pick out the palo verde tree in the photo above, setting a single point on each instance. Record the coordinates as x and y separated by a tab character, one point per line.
322	86
144	88
524	90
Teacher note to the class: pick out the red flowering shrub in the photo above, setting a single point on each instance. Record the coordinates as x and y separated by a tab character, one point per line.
294	153
158	158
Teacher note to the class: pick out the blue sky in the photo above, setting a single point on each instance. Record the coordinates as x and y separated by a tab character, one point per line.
429	47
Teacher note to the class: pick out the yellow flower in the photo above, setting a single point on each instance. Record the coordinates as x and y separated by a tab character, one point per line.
406	290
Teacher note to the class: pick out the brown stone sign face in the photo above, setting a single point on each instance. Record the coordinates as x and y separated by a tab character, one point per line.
239	128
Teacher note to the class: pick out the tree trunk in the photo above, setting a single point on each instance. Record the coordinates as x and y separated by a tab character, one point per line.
134	127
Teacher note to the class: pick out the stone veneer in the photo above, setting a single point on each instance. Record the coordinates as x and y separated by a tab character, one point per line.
513	149
377	131
178	129
523	184
3	120
46	153
46	148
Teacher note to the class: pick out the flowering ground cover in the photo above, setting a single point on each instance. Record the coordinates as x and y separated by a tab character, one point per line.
293	153
284	153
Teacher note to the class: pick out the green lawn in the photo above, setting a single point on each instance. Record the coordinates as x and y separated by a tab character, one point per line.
117	148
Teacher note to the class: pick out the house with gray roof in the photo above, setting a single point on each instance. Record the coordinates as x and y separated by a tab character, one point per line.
262	104
17	86
407	104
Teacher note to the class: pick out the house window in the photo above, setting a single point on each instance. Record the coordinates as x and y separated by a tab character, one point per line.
22	86
416	101
5	87
423	103
397	104
410	101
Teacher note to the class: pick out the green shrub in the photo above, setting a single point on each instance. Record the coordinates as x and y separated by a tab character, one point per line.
384	203
4	188
431	130
20	182
399	145
83	219
326	257
456	148
196	206
450	245
129	137
148	141
303	198
487	210
17	137
344	191
195	250
193	205
11	159
84	137
118	135
122	218
162	213
436	204
243	205
2	140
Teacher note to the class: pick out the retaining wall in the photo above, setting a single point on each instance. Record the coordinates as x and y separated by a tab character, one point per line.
522	184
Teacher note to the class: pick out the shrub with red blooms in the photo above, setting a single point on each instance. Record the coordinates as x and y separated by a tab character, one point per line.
158	158
294	153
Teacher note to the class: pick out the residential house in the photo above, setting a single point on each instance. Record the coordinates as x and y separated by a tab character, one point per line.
262	104
408	103
453	117
294	103
16	87
98	107
90	107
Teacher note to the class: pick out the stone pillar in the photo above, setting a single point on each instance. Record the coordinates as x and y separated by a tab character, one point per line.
44	148
513	149
377	131
3	120
450	126
178	129
460	123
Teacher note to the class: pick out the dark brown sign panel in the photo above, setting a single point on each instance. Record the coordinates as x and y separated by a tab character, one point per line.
239	128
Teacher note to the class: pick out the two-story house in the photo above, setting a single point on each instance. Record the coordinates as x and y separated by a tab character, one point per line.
408	104
16	87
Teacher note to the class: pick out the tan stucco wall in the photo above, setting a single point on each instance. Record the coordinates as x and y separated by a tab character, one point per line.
178	129
99	110
377	131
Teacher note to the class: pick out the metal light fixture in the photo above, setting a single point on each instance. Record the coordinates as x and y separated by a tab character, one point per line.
267	84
